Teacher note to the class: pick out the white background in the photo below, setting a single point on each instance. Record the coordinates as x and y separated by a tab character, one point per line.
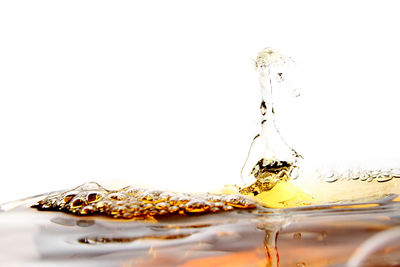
164	93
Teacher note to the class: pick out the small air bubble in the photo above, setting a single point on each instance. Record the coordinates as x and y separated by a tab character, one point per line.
94	196
331	177
77	203
384	176
395	173
117	196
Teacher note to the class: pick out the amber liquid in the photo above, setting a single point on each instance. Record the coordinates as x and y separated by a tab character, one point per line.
330	235
322	220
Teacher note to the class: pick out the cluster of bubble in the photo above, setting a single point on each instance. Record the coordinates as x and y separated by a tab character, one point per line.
132	202
383	175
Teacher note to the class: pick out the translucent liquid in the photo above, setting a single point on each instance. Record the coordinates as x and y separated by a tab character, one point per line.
278	176
329	218
360	234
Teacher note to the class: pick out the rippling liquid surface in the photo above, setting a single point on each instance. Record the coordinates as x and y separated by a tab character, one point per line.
357	234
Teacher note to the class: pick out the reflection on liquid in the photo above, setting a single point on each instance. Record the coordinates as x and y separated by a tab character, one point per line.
356	234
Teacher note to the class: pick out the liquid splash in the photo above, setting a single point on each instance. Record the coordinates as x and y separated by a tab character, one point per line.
344	218
270	158
278	176
271	163
274	175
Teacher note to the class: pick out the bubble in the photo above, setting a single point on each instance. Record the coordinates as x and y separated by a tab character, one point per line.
331	177
94	196
395	173
89	186
162	206
354	175
68	197
78	202
374	173
364	176
196	206
173	209
129	202
384	176
117	196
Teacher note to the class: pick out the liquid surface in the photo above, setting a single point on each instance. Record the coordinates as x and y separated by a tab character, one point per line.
360	234
330	218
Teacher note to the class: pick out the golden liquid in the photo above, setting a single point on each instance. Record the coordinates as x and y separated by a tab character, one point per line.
330	219
269	176
131	202
330	235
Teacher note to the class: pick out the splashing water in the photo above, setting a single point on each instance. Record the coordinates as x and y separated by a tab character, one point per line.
274	174
279	177
271	161
346	218
270	158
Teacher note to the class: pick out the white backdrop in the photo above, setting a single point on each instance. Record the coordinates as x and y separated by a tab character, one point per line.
164	93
